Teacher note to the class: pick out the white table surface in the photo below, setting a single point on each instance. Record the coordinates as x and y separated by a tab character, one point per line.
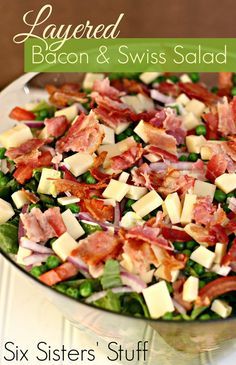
26	318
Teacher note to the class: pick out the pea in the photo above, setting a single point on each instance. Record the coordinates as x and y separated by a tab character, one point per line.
13	185
191	244
88	178
186	252
220	196
225	206
183	158
194	76
179	246
190	263
86	289
38	270
52	262
193	157
38	117
4	180
174	78
73	292
168	316
233	91
129	203
61	288
120	137
2	153
137	138
34	206
205	317
160	79
199	269
74	208
43	113
201	284
230	195
214	89
201	130
5	192
128	132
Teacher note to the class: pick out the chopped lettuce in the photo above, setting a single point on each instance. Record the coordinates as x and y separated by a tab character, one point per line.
111	276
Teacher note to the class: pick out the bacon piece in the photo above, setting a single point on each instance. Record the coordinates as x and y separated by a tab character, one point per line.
169	88
173	262
165	155
98	247
202	235
85	135
55	220
80	190
98	209
227	124
203	211
216	167
174	234
212	122
198	91
67	93
60	273
159	138
103	88
20	114
127	158
229	148
141	255
96	172
30	196
230	256
170	181
56	126
220	233
225	83
26	152
216	288
174	126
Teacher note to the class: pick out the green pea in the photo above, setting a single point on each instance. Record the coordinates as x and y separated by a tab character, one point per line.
13	185
179	246
183	158
201	284
193	157
214	89
2	153
88	178
199	269
38	270
52	262
201	130
186	252
160	79
128	132
168	316
230	195
62	288
233	91
5	192
194	76
191	244
34	206
174	78
43	113
190	263
86	289
129	203
120	137
4	180
73	292
225	206
74	208
38	117
137	138
205	317
220	196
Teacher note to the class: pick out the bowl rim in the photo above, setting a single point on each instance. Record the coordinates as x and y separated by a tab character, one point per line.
21	81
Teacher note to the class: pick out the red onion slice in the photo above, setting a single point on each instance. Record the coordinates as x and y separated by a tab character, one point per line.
21	231
83	268
133	281
162	98
32	124
102	294
35	247
179	307
36	258
87	217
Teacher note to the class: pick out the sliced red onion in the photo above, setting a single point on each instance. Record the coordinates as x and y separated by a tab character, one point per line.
133	281
34	124
35	247
87	217
36	258
83	268
102	294
162	98
232	204
21	231
179	307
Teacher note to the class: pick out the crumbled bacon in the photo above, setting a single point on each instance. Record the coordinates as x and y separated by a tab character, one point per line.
216	167
159	138
148	234
80	190
26	152
203	211
64	95
103	88
127	158
198	91
227	123
98	209
165	155
56	126
225	83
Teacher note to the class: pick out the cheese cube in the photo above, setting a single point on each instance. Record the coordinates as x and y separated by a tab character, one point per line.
195	143
221	308
70	112
46	186
22	254
112	150
136	192
206	153
141	131
220	250
189	228
190	121
131	219
124	176
64	245
116	190
226	182
202	189
146	103
161	274
173	207
195	106
223	270
152	158
122	127
190	289
158	299
148	77
109	202
15	136
125	144
90	78
6	211
182	99
188	207
72	225
65	200
203	256
109	137
79	163
185	78
147	203
19	198
133	102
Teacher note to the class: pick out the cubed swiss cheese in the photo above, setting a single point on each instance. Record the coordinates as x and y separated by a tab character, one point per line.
109	137
188	207
152	158
121	127
226	182
141	131
185	78
19	198
190	289
124	176
136	192
131	219
22	254
79	163
222	270
148	77
46	185
72	225
182	99
195	106
203	256
190	229
64	245
133	102
190	121
147	203
6	211
90	78
15	136
173	207
161	274
70	112
221	308
195	143
158	299
116	190
66	200
203	189
220	250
